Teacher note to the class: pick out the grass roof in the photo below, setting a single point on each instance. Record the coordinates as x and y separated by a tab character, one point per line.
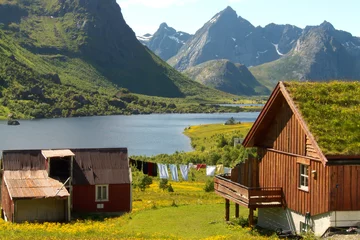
332	113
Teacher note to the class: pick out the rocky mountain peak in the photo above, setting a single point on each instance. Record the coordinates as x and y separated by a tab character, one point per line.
327	26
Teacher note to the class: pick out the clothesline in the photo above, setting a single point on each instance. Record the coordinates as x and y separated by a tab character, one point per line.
152	169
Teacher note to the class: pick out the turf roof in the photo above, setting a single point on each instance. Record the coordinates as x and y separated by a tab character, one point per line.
332	113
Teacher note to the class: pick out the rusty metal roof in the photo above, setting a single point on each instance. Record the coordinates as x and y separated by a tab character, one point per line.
57	153
23	160
33	184
101	166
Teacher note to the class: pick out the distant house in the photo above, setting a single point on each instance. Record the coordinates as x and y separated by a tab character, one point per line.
50	185
307	172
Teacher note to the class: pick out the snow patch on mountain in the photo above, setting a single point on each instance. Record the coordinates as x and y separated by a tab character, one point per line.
214	19
258	53
277	49
145	38
248	35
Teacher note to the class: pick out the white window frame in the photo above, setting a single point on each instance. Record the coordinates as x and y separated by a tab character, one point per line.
304	177
99	196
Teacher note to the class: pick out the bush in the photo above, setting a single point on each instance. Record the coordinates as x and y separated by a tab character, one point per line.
209	185
141	180
163	184
170	188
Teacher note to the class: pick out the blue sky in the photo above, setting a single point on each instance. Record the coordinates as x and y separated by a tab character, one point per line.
145	16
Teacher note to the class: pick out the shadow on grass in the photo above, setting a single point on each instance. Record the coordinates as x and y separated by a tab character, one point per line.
96	216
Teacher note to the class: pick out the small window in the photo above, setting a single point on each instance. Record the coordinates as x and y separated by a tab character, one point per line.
304	177
102	193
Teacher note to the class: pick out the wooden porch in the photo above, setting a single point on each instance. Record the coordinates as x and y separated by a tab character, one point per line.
250	197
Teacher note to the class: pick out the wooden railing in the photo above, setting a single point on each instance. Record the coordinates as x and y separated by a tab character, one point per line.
252	197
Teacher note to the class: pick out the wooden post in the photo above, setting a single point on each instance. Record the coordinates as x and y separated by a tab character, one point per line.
251	217
236	210
227	209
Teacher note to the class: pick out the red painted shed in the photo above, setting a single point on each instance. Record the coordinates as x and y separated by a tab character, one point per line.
48	185
101	180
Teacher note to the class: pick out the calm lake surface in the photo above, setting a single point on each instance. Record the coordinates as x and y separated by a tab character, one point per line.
141	134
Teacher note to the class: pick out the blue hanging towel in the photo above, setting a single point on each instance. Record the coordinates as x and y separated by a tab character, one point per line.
184	169
174	172
163	171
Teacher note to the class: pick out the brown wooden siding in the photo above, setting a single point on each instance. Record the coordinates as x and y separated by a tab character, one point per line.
285	133
246	173
282	170
310	150
345	187
319	188
6	203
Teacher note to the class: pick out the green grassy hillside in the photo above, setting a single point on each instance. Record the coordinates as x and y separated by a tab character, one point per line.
64	58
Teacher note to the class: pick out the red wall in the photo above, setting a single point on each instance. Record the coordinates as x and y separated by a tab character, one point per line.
84	199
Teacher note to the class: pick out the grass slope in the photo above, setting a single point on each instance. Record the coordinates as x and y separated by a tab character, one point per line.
206	135
286	68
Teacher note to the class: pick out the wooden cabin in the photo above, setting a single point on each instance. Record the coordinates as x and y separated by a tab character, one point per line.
50	185
307	171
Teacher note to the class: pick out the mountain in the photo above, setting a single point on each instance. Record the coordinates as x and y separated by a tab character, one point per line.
71	57
283	37
165	42
226	76
228	36
321	53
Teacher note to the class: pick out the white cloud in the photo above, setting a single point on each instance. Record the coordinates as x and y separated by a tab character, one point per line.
154	3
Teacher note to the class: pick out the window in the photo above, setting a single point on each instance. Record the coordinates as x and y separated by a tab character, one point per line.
102	193
304	177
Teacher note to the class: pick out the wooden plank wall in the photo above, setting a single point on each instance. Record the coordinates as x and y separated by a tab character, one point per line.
6	202
289	135
246	173
345	187
319	187
281	170
310	150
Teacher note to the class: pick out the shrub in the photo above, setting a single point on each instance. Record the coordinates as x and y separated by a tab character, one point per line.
170	188
209	185
141	180
163	184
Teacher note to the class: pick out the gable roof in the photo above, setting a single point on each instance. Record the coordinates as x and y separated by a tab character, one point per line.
101	166
329	113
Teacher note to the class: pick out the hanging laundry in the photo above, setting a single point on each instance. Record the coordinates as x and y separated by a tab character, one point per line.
149	166
154	170
184	169
219	168
174	172
145	168
198	166
191	165
132	162
227	170
139	164
210	170
163	172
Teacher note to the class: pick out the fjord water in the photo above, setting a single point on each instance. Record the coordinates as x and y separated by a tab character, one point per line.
141	134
